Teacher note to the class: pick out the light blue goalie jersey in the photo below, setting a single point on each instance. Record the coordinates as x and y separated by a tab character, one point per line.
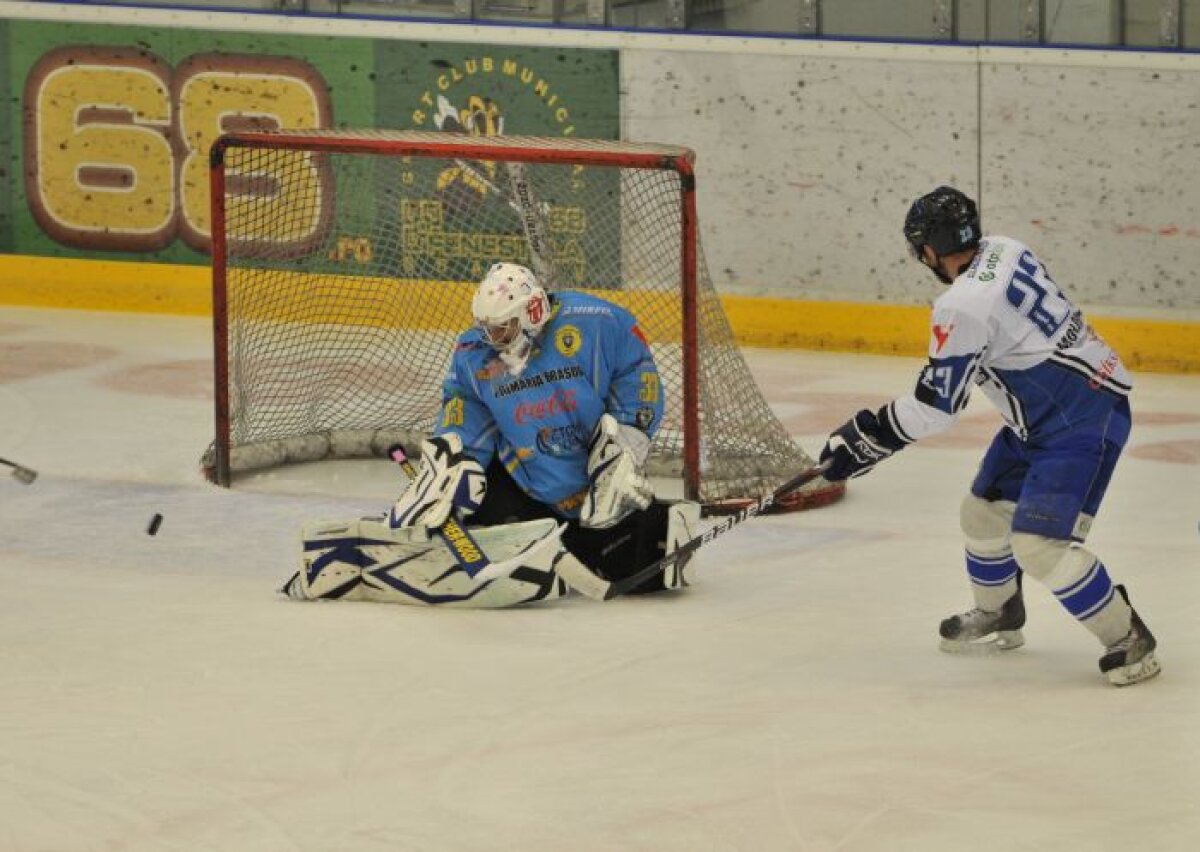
1005	326
591	358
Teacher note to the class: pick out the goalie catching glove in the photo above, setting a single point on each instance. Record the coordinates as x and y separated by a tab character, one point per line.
617	486
447	480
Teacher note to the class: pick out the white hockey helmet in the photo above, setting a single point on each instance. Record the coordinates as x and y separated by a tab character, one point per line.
510	307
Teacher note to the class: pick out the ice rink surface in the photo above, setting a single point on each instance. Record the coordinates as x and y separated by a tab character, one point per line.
156	694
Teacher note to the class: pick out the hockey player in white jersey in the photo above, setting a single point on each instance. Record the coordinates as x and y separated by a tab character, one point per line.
1003	324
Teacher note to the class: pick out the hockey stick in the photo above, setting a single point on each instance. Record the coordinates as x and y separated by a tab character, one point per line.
22	473
620	587
531	212
467	552
533	222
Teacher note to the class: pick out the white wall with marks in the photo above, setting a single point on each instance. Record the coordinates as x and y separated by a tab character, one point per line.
1095	160
808	159
806	164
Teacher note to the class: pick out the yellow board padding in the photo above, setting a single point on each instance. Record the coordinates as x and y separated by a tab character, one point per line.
426	304
1145	345
106	285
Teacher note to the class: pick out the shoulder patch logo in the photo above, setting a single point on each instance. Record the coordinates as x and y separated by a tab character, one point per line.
567	340
494	369
941	334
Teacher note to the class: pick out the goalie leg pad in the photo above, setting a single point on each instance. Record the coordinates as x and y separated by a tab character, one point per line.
639	540
683	524
368	560
332	561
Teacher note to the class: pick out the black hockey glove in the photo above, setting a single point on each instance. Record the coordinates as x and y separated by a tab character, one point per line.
859	444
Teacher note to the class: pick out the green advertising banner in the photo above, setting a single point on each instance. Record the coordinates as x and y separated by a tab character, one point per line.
9	162
104	130
458	216
494	89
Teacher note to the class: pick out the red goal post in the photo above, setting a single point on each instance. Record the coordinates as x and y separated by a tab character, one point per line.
343	262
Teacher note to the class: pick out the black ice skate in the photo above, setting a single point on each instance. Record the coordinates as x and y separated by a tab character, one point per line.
1132	659
980	632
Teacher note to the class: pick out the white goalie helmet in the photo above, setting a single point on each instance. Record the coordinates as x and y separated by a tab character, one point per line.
510	308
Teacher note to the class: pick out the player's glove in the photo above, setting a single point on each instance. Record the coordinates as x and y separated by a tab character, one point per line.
859	444
447	480
617	486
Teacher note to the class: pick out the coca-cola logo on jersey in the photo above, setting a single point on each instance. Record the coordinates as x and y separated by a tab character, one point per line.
559	402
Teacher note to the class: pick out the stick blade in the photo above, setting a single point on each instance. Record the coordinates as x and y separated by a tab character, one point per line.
581	578
24	474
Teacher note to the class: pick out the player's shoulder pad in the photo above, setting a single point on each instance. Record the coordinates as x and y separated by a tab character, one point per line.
470	340
472	354
974	291
576	305
959	325
993	262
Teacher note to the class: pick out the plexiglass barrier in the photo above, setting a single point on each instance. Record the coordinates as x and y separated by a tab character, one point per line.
1166	24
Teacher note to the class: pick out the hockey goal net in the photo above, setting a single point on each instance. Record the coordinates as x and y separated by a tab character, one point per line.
344	263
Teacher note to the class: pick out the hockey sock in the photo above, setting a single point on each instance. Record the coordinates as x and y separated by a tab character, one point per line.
1082	585
993	579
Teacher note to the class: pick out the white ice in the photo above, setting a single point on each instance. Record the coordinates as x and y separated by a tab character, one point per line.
156	694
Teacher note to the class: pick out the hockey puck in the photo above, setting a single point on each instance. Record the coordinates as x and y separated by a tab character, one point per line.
155	523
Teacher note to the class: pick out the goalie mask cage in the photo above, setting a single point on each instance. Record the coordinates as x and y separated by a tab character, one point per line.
344	263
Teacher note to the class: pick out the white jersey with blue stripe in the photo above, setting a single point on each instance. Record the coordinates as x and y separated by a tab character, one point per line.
1006	326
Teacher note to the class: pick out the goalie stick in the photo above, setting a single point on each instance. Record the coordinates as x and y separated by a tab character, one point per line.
620	587
462	544
533	222
22	473
530	210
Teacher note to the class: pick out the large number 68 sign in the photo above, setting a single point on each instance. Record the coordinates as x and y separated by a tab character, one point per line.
116	143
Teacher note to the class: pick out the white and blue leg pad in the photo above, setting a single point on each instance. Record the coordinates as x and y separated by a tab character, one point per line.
368	560
683	524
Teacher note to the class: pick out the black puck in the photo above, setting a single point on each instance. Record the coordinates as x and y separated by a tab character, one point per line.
155	523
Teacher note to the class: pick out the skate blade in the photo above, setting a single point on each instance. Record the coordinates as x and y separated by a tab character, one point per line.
1144	669
992	643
